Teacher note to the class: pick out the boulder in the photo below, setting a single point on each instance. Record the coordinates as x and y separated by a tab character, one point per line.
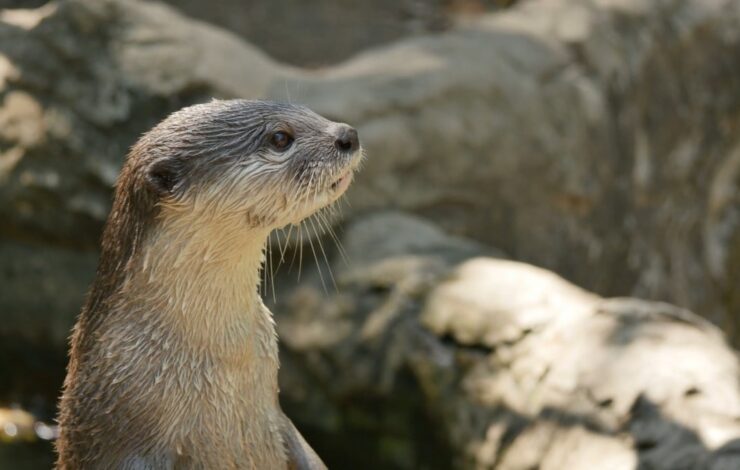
322	32
597	140
432	355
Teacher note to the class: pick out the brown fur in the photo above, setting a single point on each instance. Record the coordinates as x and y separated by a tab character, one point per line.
174	357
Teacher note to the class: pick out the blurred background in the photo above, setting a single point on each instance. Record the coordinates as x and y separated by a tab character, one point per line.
543	247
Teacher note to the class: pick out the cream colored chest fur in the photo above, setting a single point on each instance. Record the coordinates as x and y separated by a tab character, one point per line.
193	358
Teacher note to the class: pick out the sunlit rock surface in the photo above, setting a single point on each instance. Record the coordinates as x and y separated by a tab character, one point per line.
497	364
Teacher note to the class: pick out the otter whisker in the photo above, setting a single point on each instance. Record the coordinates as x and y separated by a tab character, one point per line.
318	268
300	254
263	282
287	242
280	245
275	234
303	202
272	273
295	251
312	199
330	230
323	252
293	241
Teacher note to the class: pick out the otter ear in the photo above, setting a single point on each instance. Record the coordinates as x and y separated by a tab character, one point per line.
163	175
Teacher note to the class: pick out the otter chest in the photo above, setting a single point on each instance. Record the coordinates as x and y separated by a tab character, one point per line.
220	407
207	400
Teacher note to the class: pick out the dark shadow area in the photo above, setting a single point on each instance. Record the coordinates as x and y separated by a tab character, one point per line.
663	444
659	442
393	431
33	372
27	456
22	3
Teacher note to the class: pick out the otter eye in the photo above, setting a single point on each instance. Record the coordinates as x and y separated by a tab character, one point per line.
281	140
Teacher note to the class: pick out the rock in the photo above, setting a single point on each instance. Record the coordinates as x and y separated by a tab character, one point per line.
468	128
584	138
289	29
42	290
503	364
36	281
620	202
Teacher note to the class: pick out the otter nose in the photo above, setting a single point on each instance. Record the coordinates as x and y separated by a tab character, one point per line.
347	140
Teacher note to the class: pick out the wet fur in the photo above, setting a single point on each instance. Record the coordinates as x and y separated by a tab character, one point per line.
174	358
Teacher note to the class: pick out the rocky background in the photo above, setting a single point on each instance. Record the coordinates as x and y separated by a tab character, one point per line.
507	142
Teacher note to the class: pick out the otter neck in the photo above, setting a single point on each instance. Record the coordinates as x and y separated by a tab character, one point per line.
202	279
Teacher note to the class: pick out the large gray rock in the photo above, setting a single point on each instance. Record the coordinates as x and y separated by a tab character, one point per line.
430	355
320	32
596	139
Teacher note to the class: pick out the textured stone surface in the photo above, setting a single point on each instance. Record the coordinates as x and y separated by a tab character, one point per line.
501	363
596	139
324	31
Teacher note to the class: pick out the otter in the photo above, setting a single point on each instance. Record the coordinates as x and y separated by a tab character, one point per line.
174	357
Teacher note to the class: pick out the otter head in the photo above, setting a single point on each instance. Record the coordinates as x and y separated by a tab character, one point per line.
257	163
